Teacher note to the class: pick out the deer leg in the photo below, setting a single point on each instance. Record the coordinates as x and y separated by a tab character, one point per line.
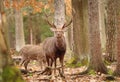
51	62
40	63
61	62
22	61
26	64
47	59
44	62
55	66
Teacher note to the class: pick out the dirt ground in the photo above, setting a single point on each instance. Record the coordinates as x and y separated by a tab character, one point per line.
69	73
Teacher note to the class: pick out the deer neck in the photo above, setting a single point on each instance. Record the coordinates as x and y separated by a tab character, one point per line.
60	43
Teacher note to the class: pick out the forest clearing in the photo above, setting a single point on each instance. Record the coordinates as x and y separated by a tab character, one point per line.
59	41
72	74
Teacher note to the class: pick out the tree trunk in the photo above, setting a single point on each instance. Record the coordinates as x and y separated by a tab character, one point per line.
19	32
80	29
117	71
102	23
59	17
94	38
110	30
8	73
69	32
69	42
31	35
10	22
30	30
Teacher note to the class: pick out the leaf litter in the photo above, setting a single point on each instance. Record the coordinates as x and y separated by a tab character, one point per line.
71	75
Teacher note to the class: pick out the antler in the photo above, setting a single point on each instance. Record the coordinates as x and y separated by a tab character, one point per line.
51	24
66	25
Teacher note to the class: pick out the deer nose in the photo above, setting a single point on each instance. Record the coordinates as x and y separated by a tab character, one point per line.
59	35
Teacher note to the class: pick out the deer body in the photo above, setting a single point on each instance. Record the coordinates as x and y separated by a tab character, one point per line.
32	52
54	48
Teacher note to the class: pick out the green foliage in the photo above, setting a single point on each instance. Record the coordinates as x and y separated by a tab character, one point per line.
73	63
84	61
92	72
39	26
11	74
110	72
30	20
45	31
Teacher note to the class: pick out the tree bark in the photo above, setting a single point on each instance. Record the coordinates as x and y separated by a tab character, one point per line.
80	29
110	30
8	72
117	7
30	27
19	32
96	62
59	17
102	13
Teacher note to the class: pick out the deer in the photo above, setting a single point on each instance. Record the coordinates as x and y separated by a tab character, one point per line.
55	47
32	52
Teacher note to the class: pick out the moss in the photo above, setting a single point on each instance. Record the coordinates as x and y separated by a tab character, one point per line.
110	72
92	72
74	63
107	62
84	61
71	62
11	74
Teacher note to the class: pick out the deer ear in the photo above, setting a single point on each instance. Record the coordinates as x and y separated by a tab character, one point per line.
52	29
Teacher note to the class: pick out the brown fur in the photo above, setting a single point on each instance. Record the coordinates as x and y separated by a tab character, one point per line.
32	52
55	47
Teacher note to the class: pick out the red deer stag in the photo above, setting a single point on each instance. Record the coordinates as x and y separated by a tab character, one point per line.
55	47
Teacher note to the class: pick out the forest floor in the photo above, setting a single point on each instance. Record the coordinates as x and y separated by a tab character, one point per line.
71	75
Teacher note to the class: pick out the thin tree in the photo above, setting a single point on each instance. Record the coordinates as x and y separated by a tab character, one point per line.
19	32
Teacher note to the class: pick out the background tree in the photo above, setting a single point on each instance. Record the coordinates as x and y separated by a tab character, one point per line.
110	30
19	37
8	72
102	16
69	32
59	16
32	12
117	8
94	38
80	30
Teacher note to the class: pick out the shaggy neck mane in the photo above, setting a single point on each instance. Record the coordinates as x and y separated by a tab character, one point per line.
60	43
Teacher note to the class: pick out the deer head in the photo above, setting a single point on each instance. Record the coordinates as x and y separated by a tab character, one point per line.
58	31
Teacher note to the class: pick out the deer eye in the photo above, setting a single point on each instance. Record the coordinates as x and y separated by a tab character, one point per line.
56	31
